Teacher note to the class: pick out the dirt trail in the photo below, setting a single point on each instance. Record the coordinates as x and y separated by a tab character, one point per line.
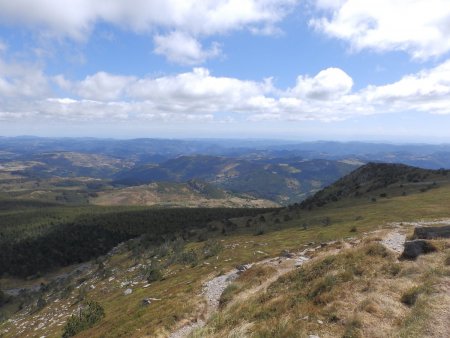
213	289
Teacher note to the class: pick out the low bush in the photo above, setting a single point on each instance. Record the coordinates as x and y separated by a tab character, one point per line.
88	316
212	248
154	274
189	257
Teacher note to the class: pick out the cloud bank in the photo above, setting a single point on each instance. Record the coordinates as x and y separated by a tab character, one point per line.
199	95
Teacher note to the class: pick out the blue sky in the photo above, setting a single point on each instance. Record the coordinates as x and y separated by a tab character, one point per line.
292	69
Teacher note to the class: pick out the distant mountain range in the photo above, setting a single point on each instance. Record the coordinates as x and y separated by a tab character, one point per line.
143	151
249	172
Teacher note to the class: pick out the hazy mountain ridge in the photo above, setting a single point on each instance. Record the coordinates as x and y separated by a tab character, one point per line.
143	150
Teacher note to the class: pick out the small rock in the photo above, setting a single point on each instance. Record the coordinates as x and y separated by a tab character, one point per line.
241	268
319	322
313	336
127	292
286	254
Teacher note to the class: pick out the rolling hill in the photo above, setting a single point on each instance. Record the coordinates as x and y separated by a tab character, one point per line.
280	180
304	271
171	194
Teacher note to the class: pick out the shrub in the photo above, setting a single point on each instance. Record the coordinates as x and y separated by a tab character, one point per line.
88	316
154	274
212	248
189	257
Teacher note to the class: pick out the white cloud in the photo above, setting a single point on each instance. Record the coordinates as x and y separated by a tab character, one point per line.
200	96
427	91
328	84
194	19
103	86
21	80
420	28
182	48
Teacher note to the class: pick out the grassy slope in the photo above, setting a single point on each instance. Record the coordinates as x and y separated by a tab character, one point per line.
126	317
356	293
169	194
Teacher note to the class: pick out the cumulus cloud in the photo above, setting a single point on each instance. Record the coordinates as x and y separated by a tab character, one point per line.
198	95
21	80
102	86
420	28
427	91
191	20
182	48
328	84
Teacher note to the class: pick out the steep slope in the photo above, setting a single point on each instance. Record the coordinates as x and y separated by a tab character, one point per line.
375	180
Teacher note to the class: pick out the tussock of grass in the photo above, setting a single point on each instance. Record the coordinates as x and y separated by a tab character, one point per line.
447	259
410	296
352	328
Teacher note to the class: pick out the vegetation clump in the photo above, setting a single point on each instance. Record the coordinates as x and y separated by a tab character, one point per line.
409	298
154	274
212	248
88	316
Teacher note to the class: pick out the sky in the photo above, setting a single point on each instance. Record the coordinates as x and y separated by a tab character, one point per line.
366	70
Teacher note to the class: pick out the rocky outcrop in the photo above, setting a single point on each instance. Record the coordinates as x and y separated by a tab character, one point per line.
417	247
432	232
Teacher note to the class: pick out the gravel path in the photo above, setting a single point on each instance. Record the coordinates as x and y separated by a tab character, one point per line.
212	290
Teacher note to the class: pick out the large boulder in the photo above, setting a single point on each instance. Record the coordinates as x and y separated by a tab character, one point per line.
432	232
417	247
